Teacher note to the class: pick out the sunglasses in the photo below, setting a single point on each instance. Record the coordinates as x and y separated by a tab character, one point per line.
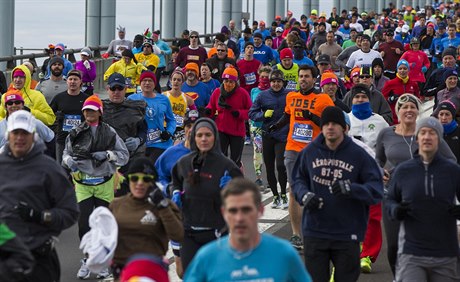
118	87
364	76
10	103
221	50
193	36
144	178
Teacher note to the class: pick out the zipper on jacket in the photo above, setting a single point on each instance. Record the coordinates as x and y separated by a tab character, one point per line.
426	181
432	186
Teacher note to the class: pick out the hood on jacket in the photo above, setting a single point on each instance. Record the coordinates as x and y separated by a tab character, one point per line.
216	147
37	148
28	77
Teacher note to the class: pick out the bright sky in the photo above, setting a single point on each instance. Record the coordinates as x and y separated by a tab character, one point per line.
39	23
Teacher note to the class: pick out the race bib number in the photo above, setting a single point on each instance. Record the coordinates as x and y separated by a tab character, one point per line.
302	133
179	120
153	136
91	180
128	82
70	121
291	85
250	78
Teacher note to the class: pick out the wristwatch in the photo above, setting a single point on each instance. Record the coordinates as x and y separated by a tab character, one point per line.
163	204
47	216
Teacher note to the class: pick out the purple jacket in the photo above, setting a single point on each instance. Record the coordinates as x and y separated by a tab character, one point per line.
87	76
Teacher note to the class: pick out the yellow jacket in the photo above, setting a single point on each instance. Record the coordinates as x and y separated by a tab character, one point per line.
131	72
33	99
148	60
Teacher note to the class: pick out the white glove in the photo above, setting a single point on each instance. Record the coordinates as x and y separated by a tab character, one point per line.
87	65
111	156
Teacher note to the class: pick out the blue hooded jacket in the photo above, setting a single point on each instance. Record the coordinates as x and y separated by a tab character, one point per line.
341	217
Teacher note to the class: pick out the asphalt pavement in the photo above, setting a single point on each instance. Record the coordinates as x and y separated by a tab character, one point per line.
274	221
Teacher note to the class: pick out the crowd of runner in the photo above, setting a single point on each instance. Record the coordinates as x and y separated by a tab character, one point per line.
331	104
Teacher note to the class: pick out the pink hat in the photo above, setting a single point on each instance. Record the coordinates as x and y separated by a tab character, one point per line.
286	53
93	102
13	95
19	72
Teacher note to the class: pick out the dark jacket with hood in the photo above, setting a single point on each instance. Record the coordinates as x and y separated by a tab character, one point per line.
428	229
40	182
341	217
270	100
197	175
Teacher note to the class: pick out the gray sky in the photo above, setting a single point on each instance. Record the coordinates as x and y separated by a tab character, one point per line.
38	23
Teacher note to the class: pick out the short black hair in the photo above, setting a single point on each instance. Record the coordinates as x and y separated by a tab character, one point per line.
313	69
240	185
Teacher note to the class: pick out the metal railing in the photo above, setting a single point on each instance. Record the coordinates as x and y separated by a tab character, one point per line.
101	63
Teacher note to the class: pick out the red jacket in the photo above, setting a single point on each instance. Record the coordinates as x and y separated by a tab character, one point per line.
226	122
397	87
417	60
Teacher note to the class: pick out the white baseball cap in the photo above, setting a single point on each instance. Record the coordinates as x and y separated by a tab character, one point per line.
21	120
405	28
279	29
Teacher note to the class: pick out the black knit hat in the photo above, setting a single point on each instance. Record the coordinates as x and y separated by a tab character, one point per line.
333	114
248	43
143	165
377	62
360	89
449	51
127	53
446	105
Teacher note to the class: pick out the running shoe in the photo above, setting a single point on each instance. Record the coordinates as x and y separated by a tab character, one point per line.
276	202
284	202
366	265
296	242
83	272
247	140
103	274
259	182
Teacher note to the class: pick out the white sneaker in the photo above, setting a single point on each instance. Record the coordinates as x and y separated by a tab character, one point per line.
103	274
83	272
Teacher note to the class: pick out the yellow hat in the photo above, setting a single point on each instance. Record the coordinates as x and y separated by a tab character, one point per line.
314	12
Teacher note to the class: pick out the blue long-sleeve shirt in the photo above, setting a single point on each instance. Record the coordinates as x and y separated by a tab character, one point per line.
157	112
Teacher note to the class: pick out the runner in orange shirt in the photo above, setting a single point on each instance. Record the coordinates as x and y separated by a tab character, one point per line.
302	112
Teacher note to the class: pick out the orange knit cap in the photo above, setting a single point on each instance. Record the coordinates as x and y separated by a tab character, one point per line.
328	77
194	67
93	102
354	72
230	73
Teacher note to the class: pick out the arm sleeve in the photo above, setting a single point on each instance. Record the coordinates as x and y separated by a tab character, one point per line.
169	118
255	112
120	150
370	191
172	222
44	132
42	110
65	211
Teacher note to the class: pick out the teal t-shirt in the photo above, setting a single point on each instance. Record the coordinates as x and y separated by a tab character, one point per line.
273	259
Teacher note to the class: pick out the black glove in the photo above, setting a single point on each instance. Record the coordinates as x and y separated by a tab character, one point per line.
27	213
307	114
392	98
155	197
401	210
235	114
165	135
312	202
455	211
341	188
